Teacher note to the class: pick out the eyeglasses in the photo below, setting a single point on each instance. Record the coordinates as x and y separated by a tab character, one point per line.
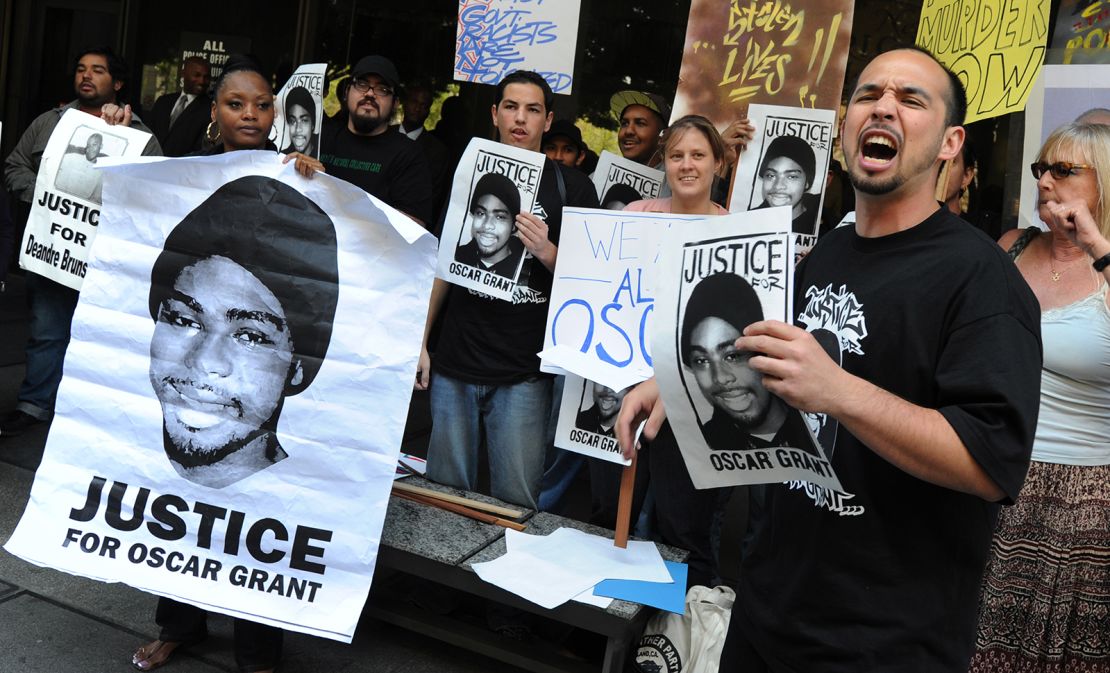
362	86
1059	170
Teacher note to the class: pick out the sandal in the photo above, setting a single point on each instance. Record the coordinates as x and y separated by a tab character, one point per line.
154	655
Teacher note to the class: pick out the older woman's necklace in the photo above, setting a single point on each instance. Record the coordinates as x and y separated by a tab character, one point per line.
1052	267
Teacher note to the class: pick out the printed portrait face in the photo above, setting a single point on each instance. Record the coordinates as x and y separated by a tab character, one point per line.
723	374
784	182
93	145
300	122
607	401
220	358
491	225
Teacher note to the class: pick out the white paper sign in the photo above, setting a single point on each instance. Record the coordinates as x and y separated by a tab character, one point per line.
587	416
66	209
1072	90
240	330
714	280
621	181
786	164
497	37
603	295
479	249
299	111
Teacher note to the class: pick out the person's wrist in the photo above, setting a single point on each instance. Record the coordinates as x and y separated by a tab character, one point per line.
1099	250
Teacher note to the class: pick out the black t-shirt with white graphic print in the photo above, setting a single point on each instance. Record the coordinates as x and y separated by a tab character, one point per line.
885	577
491	341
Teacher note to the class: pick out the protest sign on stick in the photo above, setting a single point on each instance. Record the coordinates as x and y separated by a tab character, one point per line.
210	441
1082	34
66	208
715	279
496	37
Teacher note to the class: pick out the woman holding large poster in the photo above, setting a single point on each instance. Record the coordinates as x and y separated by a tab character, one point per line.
242	116
1043	603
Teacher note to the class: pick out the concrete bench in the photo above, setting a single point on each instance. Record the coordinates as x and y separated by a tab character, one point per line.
439	546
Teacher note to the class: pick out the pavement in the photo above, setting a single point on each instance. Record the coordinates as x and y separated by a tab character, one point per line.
51	621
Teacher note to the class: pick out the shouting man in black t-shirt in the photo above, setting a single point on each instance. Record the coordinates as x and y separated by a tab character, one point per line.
356	147
936	399
487	374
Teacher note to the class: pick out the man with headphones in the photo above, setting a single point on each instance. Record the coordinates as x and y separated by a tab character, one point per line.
356	147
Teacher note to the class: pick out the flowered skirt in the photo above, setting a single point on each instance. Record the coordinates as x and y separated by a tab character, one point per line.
1045	602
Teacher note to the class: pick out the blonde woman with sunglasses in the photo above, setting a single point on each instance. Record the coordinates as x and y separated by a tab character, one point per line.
1044	598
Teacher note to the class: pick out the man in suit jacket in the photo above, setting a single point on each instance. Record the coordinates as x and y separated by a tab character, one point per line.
179	119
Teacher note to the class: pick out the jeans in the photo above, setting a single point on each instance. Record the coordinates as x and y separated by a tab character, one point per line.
257	646
51	307
515	418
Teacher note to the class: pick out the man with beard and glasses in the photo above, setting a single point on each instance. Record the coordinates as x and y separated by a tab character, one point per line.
494	206
356	147
99	76
935	396
243	319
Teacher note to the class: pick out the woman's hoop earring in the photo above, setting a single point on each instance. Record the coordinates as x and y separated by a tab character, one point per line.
208	133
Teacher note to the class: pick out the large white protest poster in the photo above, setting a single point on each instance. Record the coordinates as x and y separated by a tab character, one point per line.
1072	90
603	294
66	208
587	418
299	111
479	248
716	278
786	165
496	37
621	181
210	442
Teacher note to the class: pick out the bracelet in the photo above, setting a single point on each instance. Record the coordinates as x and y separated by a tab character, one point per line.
1102	262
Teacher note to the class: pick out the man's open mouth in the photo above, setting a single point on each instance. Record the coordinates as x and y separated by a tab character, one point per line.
878	147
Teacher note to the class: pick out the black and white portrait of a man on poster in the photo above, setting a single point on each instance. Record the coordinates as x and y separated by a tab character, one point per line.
299	111
479	248
715	279
786	164
231	346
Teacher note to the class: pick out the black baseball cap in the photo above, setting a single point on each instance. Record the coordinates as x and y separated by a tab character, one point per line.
567	129
380	66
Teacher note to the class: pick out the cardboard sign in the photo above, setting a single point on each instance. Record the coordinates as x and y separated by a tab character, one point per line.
762	51
496	37
996	47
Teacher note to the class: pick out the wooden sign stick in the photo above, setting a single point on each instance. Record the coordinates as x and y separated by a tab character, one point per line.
460	510
466	502
624	505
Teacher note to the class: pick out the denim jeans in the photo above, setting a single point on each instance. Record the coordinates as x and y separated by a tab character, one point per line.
51	307
515	418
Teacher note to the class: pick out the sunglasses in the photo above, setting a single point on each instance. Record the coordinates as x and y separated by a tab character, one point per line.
1059	170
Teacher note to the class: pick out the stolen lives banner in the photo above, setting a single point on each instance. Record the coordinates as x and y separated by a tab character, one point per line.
239	329
715	278
65	212
781	52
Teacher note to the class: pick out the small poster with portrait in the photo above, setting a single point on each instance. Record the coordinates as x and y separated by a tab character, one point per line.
587	418
621	181
715	279
299	111
65	210
479	248
786	164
